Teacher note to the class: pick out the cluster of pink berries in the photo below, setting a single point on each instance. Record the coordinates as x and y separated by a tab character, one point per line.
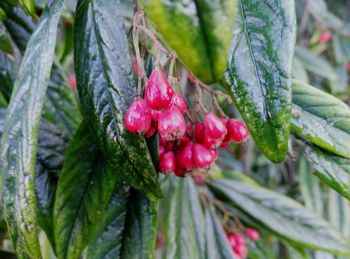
239	244
182	147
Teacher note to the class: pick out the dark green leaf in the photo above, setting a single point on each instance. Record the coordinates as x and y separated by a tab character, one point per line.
331	169
282	215
20	138
28	6
183	215
321	119
5	44
106	88
128	228
199	31
259	74
3	15
7	74
83	191
51	147
217	245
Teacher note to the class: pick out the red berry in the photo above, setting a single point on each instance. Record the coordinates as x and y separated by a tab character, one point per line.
72	82
201	156
184	157
347	67
155	114
161	150
167	163
152	129
231	240
238	130
159	93
325	37
179	172
252	234
211	143
171	124
179	102
215	128
241	250
215	154
237	256
183	141
138	117
240	239
199	132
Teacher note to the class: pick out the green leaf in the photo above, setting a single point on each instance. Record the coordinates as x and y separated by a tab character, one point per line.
316	64
199	31
128	228
20	138
51	148
83	191
29	7
259	72
331	169
339	212
183	215
3	15
282	215
106	87
321	119
5	44
7	75
217	245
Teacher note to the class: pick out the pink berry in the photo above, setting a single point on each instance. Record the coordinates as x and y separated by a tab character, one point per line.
325	37
152	129
237	256
241	250
183	141
215	128
240	239
184	157
199	132
167	163
347	67
238	130
155	114
138	117
161	150
201	156
252	234
179	172
211	143
72	82
215	154
231	240
180	102
159	93
171	124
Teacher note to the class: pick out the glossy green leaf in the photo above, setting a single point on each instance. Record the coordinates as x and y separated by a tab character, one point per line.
259	72
128	228
321	119
3	15
183	215
107	88
83	191
20	138
199	31
5	44
331	169
217	245
51	147
61	106
282	215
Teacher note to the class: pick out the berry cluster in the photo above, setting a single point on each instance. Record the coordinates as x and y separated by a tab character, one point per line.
182	147
239	244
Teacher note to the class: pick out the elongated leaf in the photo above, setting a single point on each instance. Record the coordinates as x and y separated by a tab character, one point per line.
183	215
20	138
321	119
282	215
61	106
7	74
259	73
108	240
128	228
339	212
217	245
51	147
331	169
3	15
28	6
84	189
106	88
